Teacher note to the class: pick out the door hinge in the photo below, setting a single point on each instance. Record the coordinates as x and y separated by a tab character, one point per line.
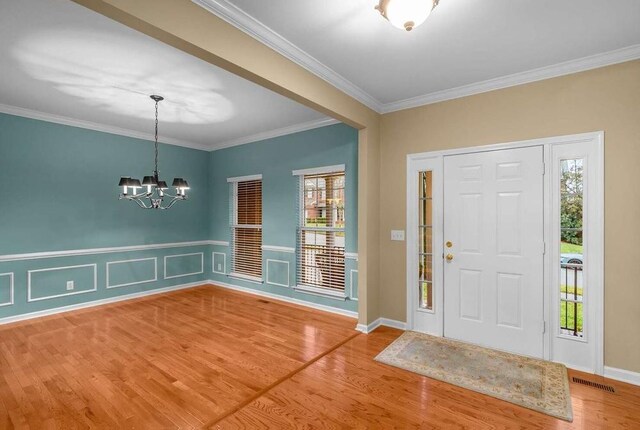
544	168
544	248
544	327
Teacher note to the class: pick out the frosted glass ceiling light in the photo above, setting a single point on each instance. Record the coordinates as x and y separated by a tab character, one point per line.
154	190
406	14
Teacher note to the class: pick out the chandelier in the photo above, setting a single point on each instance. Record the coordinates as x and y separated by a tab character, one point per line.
406	14
154	191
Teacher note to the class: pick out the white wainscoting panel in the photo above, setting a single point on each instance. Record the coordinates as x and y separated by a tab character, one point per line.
224	263
167	257
269	260
11	288
72	293
155	271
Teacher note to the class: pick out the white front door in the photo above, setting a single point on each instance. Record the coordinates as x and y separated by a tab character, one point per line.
494	246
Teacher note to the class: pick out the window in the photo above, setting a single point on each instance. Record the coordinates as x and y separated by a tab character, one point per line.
577	251
425	241
246	227
571	254
321	235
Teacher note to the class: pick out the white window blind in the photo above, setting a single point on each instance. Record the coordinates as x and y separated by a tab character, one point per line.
246	228
321	233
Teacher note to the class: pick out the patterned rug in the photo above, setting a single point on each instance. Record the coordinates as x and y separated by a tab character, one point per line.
535	384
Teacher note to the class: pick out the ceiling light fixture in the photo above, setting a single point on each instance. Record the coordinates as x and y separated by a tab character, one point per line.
156	190
406	14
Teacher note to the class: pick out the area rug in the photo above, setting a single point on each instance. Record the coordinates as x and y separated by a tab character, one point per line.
535	384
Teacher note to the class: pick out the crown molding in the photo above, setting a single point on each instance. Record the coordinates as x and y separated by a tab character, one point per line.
275	133
248	24
561	69
254	28
58	119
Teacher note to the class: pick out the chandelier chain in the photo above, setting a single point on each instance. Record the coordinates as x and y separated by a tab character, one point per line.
156	147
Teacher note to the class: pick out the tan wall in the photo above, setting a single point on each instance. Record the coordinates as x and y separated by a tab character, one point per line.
603	99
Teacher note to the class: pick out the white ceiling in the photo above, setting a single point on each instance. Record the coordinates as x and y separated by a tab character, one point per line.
464	47
60	61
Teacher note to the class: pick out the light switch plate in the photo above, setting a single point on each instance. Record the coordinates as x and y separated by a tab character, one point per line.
397	234
70	285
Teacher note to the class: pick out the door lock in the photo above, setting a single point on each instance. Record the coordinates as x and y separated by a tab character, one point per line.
448	244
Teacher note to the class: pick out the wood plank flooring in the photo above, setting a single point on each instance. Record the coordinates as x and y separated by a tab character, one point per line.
175	360
213	358
347	389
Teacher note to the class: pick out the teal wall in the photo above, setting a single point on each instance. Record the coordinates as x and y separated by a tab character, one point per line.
275	159
60	189
60	193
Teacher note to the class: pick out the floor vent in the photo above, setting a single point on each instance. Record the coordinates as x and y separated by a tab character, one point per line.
608	388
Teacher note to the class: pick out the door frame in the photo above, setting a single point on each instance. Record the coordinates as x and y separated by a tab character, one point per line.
435	159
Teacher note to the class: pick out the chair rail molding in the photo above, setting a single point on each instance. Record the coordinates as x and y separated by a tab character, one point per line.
93	251
286	249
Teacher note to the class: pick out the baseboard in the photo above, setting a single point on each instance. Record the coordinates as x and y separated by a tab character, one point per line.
381	322
366	329
400	325
578	368
319	307
63	309
622	375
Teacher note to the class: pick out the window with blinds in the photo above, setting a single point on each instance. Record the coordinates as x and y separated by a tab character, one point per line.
246	228
321	234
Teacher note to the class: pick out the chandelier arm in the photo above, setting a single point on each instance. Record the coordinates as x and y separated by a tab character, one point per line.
171	203
141	204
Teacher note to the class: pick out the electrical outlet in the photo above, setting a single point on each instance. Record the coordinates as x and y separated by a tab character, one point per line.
70	285
397	234
219	267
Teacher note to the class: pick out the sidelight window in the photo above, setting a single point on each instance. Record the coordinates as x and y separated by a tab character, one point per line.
572	286
425	240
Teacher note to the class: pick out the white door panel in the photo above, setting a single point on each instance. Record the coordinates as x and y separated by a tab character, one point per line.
493	215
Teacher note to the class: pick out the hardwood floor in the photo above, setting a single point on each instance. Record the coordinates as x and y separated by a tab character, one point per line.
213	358
347	389
175	360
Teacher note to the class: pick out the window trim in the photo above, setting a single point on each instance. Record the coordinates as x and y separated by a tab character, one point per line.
583	353
246	178
326	170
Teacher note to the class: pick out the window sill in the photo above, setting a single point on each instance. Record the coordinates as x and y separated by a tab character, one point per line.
322	292
241	277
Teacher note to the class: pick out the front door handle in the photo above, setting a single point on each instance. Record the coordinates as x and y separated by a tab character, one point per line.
449	257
